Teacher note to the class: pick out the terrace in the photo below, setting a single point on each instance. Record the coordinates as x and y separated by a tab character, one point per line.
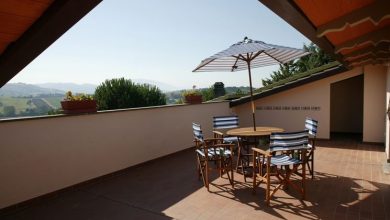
349	183
140	163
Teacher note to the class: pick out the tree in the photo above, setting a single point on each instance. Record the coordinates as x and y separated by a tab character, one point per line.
9	111
316	58
123	93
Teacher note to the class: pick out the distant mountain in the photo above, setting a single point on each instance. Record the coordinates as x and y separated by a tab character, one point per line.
90	88
75	88
23	89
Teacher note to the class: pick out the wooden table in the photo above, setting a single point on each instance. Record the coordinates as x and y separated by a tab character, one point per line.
249	132
249	138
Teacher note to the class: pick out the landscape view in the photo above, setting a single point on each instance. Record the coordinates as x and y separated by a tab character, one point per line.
21	99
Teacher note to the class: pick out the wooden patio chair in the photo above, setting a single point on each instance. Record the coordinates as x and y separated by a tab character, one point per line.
229	122
311	126
285	150
215	151
223	123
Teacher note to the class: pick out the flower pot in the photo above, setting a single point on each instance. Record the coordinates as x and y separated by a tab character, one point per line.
77	107
193	99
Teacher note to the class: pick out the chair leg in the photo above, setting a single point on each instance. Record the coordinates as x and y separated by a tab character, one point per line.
267	193
312	164
231	170
253	174
303	181
206	177
238	157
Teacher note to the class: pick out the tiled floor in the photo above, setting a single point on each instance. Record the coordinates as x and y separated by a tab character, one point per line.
349	184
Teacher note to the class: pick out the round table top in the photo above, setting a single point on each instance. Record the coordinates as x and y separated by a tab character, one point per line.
249	132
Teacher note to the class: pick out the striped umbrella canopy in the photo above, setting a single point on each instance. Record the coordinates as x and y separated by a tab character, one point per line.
248	54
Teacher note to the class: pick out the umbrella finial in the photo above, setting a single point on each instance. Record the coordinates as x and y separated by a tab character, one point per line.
247	40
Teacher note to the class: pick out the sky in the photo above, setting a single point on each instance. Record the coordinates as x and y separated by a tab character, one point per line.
159	40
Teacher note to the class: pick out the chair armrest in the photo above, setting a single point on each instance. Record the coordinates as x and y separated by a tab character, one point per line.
218	133
224	145
260	151
213	141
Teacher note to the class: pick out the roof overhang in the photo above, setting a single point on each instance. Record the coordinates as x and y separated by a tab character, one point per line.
293	84
28	28
355	32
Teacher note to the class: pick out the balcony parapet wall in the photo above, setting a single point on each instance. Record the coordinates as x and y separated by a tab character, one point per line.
40	155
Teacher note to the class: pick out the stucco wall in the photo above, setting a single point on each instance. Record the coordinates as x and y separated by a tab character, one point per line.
374	119
43	155
387	134
317	94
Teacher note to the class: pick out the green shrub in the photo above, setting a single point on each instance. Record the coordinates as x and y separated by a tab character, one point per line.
123	93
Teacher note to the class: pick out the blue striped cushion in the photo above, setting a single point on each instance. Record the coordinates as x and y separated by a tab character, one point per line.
281	160
211	152
223	122
288	141
197	131
230	140
311	125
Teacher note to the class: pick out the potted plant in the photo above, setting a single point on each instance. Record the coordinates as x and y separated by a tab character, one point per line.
79	103
192	96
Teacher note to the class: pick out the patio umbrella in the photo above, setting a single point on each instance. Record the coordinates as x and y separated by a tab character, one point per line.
249	54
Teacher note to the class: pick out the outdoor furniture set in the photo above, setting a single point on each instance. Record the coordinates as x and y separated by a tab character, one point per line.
265	154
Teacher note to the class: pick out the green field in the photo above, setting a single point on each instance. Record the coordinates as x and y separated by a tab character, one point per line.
54	101
19	103
29	106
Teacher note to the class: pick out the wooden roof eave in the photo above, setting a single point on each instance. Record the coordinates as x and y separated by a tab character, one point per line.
54	22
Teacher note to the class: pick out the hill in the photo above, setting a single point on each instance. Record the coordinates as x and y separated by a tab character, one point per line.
23	89
75	88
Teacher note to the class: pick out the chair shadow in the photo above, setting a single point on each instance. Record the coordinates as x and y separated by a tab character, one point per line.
328	197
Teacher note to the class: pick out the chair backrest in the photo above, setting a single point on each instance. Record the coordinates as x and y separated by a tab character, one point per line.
282	141
223	122
197	130
311	126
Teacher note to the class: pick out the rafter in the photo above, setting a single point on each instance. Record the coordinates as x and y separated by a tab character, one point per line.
54	22
370	59
382	48
375	13
373	38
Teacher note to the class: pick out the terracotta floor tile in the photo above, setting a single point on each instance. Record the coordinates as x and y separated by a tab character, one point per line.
349	183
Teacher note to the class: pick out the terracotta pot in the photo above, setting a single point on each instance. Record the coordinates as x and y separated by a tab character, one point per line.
77	107
193	99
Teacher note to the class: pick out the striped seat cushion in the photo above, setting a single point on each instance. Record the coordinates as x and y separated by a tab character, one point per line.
197	131
230	140
224	122
280	160
215	152
311	126
283	141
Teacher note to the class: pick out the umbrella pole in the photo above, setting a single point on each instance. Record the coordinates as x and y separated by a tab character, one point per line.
251	92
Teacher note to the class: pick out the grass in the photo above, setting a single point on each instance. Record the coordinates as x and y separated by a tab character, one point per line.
54	101
19	103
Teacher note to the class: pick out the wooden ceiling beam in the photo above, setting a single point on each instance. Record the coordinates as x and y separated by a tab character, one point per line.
368	62
375	13
290	12
54	22
373	38
374	50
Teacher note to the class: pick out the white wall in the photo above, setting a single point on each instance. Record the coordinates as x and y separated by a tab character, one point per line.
317	94
387	102
38	156
374	119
